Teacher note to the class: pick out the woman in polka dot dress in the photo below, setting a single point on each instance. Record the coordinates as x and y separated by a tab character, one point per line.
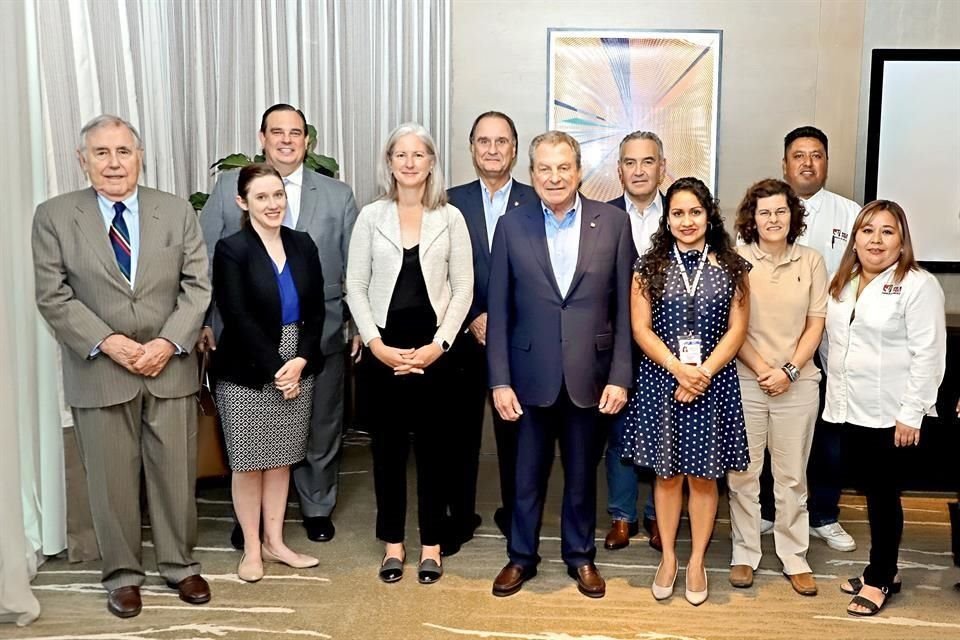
689	311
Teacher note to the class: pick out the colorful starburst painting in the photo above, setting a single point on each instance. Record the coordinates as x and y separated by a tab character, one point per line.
604	84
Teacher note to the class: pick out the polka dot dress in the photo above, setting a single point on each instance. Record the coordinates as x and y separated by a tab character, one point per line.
707	437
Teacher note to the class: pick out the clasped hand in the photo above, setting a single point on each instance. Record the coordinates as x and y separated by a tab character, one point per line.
287	377
692	383
405	361
141	359
774	382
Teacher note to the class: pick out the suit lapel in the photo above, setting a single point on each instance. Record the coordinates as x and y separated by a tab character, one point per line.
308	202
538	242
150	235
90	221
589	229
389	225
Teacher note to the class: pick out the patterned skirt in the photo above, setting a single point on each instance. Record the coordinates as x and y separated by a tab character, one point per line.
260	428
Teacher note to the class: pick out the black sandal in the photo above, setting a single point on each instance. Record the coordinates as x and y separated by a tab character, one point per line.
856	584
872	607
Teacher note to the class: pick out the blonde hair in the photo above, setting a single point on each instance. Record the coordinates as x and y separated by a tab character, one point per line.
434	195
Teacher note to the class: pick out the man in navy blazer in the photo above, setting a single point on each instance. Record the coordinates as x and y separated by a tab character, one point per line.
493	147
641	168
558	351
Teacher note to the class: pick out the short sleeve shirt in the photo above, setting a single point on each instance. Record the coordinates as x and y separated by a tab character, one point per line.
782	296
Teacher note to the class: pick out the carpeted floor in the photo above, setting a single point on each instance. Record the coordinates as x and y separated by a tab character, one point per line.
343	599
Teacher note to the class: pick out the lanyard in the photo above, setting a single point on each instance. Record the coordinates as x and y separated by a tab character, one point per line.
691	288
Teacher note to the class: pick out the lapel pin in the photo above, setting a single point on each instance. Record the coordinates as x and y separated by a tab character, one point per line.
593	225
516	203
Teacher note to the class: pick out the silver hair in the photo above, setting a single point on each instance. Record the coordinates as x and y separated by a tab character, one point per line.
554	138
642	135
107	120
435	194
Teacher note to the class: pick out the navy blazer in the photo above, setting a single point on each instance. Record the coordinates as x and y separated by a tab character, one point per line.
538	339
248	298
469	199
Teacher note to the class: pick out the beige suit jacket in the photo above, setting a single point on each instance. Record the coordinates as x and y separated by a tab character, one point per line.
82	294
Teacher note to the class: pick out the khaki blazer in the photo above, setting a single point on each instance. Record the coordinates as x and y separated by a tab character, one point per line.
82	294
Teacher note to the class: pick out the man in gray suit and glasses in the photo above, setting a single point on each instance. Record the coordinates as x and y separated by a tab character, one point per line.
121	276
325	208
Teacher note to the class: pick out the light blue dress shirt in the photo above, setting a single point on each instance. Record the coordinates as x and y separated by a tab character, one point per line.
563	243
494	206
132	217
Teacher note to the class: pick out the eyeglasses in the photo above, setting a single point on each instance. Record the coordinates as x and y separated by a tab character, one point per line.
766	214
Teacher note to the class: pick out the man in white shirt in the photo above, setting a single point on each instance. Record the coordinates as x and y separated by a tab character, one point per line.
829	221
641	169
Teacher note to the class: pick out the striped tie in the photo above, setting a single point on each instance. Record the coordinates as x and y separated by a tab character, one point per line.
120	240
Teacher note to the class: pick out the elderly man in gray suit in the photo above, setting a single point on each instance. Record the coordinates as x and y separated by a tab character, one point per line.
324	208
121	276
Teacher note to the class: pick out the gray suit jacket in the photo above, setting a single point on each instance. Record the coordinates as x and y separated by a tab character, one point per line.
82	294
328	212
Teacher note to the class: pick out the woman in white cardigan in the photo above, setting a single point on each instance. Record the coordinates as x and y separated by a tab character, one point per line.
409	287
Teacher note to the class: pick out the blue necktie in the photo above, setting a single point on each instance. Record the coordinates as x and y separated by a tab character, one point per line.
120	240
288	214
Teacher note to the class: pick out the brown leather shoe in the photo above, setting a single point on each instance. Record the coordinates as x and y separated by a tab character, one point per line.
620	533
654	532
589	581
124	602
741	576
193	589
511	578
803	583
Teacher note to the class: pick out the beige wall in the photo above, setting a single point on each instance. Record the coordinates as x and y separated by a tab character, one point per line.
785	63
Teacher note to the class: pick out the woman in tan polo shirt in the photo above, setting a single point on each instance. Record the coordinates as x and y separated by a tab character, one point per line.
778	379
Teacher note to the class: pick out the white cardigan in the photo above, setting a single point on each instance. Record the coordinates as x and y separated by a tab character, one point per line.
376	256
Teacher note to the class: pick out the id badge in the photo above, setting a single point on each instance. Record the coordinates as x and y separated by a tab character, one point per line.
690	349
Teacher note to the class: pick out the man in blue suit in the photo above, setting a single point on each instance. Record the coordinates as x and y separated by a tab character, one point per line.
641	169
493	147
558	351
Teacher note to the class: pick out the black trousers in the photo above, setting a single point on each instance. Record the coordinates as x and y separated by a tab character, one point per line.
403	406
875	465
469	397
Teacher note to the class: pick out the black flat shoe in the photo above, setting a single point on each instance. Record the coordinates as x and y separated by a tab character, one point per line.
429	571
391	569
319	529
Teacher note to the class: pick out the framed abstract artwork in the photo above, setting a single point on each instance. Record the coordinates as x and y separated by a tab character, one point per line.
604	83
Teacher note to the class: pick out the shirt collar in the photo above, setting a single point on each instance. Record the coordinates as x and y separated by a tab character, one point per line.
568	217
791	254
295	178
652	209
814	202
505	189
131	202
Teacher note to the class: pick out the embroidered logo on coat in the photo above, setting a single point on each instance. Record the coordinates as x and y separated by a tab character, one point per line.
892	289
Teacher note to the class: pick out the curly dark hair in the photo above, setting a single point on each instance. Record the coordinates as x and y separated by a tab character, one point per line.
651	269
747	211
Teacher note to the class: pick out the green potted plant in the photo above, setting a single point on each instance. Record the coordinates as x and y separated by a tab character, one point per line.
314	161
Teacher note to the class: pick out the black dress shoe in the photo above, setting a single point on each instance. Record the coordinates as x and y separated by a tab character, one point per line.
319	529
449	548
236	537
124	602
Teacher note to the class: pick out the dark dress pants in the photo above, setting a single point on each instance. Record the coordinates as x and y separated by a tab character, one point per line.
581	439
413	404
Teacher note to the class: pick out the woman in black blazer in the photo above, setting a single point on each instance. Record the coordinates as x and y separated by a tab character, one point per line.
269	291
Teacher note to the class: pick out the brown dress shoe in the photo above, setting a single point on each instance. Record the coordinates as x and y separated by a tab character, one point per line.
193	589
589	581
803	583
511	578
655	536
620	533
124	602
741	576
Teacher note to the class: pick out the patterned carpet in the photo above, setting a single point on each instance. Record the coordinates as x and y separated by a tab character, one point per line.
343	599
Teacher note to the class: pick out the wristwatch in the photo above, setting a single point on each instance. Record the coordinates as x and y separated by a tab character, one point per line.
791	370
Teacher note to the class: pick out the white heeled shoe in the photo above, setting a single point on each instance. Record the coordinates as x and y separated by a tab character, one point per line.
662	593
696	598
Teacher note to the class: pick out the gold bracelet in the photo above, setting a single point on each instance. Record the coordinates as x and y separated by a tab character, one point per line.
702	369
